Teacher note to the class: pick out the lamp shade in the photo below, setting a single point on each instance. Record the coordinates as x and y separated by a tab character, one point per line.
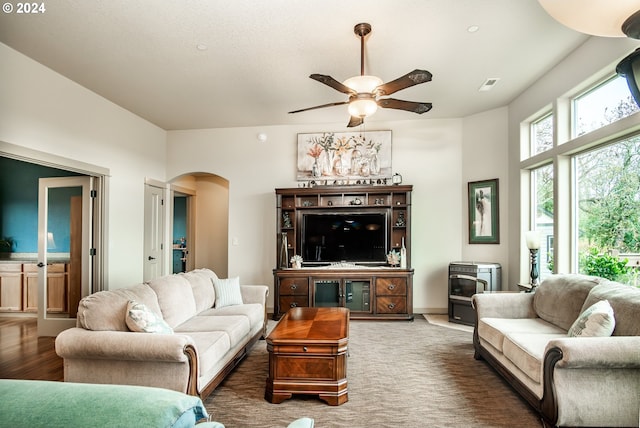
363	84
629	68
533	240
596	17
362	107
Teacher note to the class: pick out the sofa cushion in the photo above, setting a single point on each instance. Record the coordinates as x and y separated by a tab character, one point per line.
211	346
559	298
494	330
202	287
253	311
107	310
141	319
526	351
175	298
32	403
227	292
235	326
625	301
595	321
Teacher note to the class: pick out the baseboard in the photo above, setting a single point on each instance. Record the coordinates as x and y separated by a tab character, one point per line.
434	311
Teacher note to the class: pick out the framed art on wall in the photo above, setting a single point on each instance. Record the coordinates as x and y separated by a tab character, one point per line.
344	156
484	225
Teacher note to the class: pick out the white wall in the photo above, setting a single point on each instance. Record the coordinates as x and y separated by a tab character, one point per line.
426	152
484	157
597	57
41	110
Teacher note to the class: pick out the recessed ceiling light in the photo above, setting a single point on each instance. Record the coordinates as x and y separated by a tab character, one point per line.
473	28
202	47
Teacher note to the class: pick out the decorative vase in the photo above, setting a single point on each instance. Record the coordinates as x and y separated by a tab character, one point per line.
284	250
403	255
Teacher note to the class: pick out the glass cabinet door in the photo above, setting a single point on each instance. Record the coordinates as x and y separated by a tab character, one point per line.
357	296
327	293
352	294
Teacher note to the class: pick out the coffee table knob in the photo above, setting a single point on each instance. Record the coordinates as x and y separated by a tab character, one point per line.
304	348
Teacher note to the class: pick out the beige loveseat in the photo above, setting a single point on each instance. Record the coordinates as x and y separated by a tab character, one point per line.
571	381
206	343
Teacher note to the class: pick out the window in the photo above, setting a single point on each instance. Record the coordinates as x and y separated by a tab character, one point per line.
608	200
542	191
602	105
584	195
542	135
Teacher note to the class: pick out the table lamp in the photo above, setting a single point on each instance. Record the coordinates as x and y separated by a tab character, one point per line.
533	243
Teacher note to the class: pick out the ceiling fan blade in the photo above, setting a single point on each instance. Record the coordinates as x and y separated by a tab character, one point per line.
410	79
320	106
355	121
330	81
412	106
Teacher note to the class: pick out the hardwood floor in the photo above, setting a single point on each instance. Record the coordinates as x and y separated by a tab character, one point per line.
24	355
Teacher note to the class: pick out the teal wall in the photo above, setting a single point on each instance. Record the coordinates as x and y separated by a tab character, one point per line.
19	205
179	229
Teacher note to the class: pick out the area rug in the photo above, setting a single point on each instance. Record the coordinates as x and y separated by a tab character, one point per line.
400	374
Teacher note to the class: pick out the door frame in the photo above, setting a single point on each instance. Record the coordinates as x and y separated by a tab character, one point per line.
101	177
153	228
52	326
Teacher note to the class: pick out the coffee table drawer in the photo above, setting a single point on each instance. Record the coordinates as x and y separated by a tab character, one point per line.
306	368
306	349
294	286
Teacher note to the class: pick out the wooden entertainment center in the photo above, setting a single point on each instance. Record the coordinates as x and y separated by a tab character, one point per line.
370	288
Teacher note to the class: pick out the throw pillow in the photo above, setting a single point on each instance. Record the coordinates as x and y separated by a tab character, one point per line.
227	292
596	320
143	320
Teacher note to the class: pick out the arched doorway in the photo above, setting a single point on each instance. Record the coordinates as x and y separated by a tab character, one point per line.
200	222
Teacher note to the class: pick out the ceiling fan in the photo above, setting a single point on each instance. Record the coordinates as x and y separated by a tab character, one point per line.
365	92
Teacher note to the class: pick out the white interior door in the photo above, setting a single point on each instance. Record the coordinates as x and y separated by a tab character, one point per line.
64	250
153	232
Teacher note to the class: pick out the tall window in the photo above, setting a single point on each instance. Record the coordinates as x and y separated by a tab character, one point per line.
608	202
542	185
598	181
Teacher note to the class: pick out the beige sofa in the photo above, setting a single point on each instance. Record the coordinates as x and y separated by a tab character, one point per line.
571	381
207	342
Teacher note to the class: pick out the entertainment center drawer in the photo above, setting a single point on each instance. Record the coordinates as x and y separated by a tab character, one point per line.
288	302
391	305
294	286
391	286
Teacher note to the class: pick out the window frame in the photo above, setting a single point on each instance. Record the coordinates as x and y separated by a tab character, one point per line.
561	154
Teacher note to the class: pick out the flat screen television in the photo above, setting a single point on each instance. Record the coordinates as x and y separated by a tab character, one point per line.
355	237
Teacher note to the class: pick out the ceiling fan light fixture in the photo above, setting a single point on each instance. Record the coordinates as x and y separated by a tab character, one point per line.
363	84
362	107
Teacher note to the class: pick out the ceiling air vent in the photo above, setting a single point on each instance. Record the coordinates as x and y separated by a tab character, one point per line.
489	84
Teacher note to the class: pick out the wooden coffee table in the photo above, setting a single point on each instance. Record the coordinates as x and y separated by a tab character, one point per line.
308	355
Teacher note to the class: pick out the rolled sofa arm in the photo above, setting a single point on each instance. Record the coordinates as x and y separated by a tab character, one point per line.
121	345
614	352
254	294
503	305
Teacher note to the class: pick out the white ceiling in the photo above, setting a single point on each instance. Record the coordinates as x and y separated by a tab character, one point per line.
143	55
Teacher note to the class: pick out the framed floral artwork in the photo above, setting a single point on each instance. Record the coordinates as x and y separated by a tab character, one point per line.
484	225
348	157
